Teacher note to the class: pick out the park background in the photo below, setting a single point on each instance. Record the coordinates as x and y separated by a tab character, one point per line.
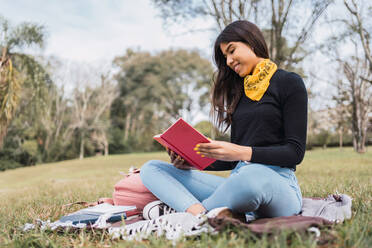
84	85
88	78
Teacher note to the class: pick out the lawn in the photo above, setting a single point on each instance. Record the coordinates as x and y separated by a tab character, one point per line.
39	192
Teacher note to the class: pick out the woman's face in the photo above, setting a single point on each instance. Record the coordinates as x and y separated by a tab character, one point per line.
239	57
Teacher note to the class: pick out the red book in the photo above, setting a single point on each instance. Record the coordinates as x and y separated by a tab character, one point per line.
182	138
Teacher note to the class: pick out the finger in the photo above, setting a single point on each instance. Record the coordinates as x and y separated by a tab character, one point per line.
179	160
216	154
177	165
183	166
210	149
173	155
200	150
211	145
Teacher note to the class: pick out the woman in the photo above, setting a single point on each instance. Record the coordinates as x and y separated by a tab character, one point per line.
266	108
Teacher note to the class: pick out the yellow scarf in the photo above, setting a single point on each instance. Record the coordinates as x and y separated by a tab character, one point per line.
255	85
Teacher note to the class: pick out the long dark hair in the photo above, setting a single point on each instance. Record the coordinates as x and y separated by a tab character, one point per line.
228	85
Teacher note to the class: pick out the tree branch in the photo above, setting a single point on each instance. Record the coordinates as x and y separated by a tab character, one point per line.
361	31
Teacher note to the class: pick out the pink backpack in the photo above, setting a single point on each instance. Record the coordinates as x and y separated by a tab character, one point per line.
131	191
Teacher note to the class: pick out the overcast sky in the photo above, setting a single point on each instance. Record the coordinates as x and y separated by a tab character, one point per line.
92	30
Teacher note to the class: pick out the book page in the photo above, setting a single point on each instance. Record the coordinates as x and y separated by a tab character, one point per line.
106	208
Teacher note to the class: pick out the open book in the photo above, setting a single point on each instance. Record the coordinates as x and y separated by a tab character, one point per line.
182	138
105	208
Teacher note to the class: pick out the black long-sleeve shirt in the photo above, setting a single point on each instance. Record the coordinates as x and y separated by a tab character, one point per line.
275	127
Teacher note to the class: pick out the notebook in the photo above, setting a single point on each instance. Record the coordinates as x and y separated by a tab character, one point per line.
182	138
90	215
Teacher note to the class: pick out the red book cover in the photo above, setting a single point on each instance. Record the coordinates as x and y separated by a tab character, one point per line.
182	138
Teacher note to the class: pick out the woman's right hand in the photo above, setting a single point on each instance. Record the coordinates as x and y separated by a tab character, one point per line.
178	162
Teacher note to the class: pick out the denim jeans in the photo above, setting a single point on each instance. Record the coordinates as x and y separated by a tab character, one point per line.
265	190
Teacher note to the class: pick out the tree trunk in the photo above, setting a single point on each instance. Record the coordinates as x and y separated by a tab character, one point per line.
82	148
3	131
359	136
127	126
341	134
105	145
3	124
106	149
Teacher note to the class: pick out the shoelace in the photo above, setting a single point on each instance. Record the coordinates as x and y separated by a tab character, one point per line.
161	226
167	210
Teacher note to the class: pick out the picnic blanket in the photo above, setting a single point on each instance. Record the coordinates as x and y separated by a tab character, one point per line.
316	213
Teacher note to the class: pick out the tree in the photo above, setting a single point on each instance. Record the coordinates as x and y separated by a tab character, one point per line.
278	19
356	70
89	112
155	90
357	24
54	122
354	39
14	66
342	109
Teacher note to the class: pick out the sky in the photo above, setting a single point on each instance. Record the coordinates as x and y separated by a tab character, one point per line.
92	32
95	30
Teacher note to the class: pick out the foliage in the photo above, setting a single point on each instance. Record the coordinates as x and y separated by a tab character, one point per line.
43	123
286	24
16	68
45	188
90	112
354	85
9	164
14	158
34	107
326	138
359	26
154	91
208	129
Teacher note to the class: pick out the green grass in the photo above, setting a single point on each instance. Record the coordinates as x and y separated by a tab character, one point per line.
39	192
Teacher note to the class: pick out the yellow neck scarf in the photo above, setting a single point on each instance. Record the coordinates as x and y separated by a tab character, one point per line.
255	85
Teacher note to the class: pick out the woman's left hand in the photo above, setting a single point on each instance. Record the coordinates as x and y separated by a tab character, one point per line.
225	151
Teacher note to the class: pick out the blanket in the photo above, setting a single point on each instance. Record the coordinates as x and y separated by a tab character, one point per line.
316	213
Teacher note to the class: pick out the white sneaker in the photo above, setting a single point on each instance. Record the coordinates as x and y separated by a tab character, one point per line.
155	209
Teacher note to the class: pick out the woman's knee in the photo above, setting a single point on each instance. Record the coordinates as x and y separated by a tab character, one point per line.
253	178
250	184
149	167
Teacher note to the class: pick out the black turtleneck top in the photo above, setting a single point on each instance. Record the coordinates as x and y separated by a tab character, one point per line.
275	126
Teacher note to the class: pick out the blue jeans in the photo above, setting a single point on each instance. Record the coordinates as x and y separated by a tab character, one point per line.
265	190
